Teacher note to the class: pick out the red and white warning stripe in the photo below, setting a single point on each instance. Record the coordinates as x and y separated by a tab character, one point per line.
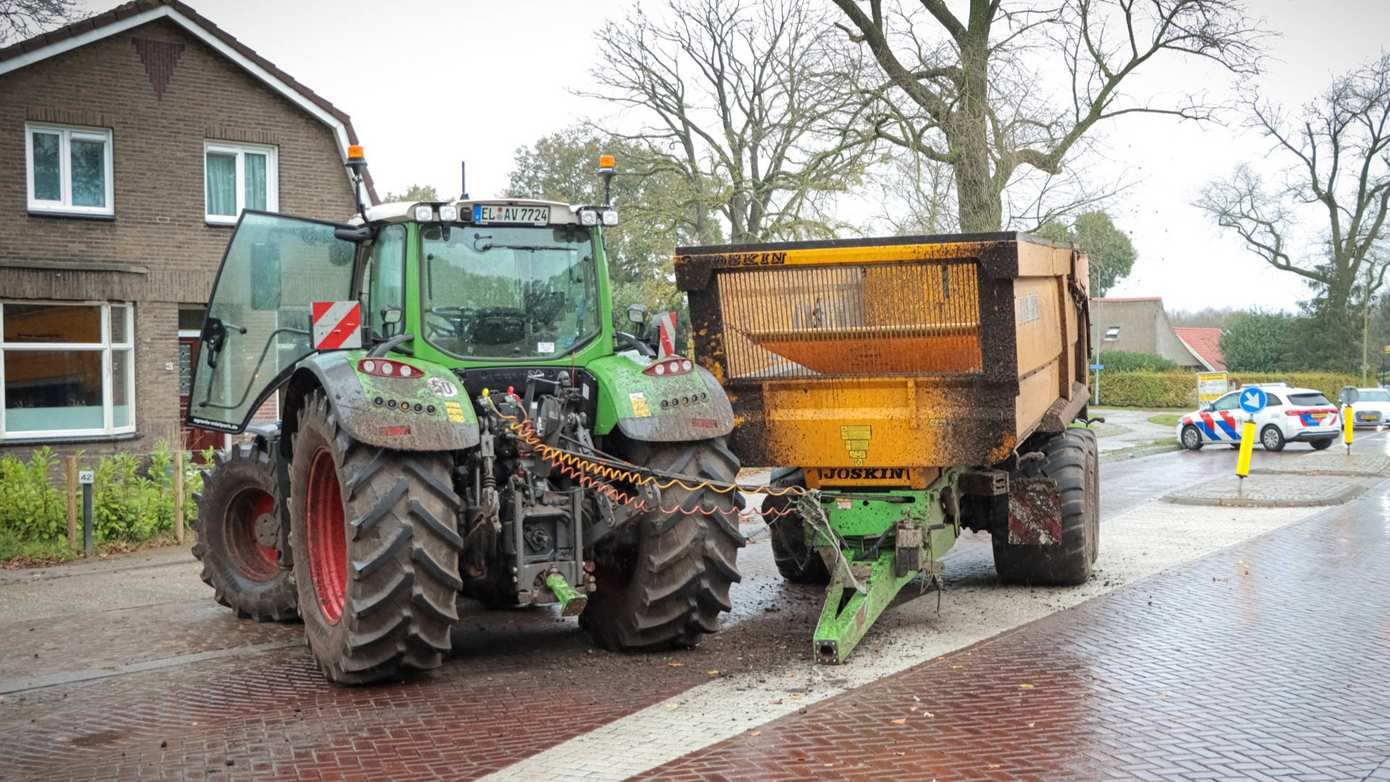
666	334
337	325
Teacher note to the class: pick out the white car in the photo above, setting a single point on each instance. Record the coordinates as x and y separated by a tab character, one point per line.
1369	406
1290	415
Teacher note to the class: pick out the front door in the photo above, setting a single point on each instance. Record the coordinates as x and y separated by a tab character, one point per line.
258	322
194	439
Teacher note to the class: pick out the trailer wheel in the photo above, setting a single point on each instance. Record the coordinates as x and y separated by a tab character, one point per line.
798	562
376	551
664	578
237	530
1071	460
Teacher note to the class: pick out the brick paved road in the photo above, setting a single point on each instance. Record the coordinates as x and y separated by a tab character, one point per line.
1268	660
189	691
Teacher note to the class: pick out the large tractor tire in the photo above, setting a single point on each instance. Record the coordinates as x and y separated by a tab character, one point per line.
797	561
663	579
237	532
1072	461
376	551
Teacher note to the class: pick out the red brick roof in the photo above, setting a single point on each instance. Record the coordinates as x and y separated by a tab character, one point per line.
1205	343
128	10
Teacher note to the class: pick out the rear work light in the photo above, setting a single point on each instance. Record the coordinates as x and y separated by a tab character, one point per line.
381	367
669	366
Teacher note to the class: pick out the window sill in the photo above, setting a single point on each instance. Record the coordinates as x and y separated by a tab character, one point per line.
68	439
220	222
107	217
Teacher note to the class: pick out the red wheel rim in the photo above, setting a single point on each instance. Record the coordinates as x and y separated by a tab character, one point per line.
256	562
327	536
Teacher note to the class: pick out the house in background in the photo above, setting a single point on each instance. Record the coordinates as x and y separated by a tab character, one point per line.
129	144
1140	325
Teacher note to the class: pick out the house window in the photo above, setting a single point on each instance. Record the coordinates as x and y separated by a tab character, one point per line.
237	177
1112	333
69	169
68	369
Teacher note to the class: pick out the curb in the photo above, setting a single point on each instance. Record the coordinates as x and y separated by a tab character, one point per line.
1137	451
1344	496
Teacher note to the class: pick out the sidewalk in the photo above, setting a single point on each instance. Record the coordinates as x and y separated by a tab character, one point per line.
1129	431
1266	660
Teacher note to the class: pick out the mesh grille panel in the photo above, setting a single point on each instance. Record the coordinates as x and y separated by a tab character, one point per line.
860	319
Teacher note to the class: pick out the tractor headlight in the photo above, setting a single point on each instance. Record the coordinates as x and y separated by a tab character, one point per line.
448	213
588	217
424	213
610	217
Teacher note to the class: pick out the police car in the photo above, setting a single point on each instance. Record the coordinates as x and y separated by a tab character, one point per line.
1290	415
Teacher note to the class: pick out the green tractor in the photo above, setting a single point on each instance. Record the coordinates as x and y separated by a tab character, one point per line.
449	410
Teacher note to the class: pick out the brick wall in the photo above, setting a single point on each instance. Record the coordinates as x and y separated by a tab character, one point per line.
158	235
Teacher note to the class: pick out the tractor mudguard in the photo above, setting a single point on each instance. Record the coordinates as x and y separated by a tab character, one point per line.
659	409
430	412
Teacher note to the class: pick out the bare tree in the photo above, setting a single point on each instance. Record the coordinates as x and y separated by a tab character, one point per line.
744	99
1338	153
964	92
20	19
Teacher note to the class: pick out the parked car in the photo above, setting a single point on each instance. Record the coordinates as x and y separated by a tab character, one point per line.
1369	406
1290	415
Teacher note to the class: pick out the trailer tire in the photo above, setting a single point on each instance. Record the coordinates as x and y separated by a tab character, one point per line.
664	578
376	555
1071	460
236	513
797	561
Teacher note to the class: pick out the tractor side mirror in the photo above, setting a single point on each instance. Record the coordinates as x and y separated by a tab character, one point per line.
265	276
391	317
637	314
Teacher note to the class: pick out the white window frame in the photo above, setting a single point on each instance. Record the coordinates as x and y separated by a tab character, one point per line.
106	347
272	177
64	205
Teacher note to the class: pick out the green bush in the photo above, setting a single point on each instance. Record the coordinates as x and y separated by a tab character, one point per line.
132	498
31	508
1179	389
1127	361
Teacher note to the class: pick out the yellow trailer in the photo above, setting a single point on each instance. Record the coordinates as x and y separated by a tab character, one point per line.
905	388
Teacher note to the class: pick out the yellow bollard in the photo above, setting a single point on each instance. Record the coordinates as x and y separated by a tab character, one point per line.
1347	426
1247	449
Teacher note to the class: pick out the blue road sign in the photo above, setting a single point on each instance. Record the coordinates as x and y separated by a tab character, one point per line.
1252	400
1097	367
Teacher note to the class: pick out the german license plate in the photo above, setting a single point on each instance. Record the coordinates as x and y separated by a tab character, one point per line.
495	214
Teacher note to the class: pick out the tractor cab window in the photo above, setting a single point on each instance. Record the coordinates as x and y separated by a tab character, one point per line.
258	323
383	282
509	292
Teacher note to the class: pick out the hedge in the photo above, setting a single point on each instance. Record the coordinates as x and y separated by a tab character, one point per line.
1179	389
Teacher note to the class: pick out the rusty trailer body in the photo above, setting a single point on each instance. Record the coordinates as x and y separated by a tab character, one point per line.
940	365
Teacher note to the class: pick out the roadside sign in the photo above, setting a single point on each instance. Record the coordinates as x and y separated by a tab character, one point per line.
1253	400
86	476
1097	367
1211	385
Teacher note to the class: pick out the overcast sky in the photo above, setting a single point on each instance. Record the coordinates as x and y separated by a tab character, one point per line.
431	83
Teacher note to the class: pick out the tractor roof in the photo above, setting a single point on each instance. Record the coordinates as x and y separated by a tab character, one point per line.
403	211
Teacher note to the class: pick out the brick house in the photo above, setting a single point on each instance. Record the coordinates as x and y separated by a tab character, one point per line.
1140	325
129	143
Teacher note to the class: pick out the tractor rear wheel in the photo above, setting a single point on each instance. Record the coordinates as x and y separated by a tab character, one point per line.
238	528
376	551
797	561
664	578
1071	460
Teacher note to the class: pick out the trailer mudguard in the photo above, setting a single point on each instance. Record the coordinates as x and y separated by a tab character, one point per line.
430	412
660	409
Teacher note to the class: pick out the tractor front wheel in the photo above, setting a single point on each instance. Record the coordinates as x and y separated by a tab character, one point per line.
376	551
238	528
664	577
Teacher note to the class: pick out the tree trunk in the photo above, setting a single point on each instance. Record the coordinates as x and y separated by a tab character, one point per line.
981	206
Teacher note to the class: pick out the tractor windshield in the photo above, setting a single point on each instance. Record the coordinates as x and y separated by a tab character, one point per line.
509	292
